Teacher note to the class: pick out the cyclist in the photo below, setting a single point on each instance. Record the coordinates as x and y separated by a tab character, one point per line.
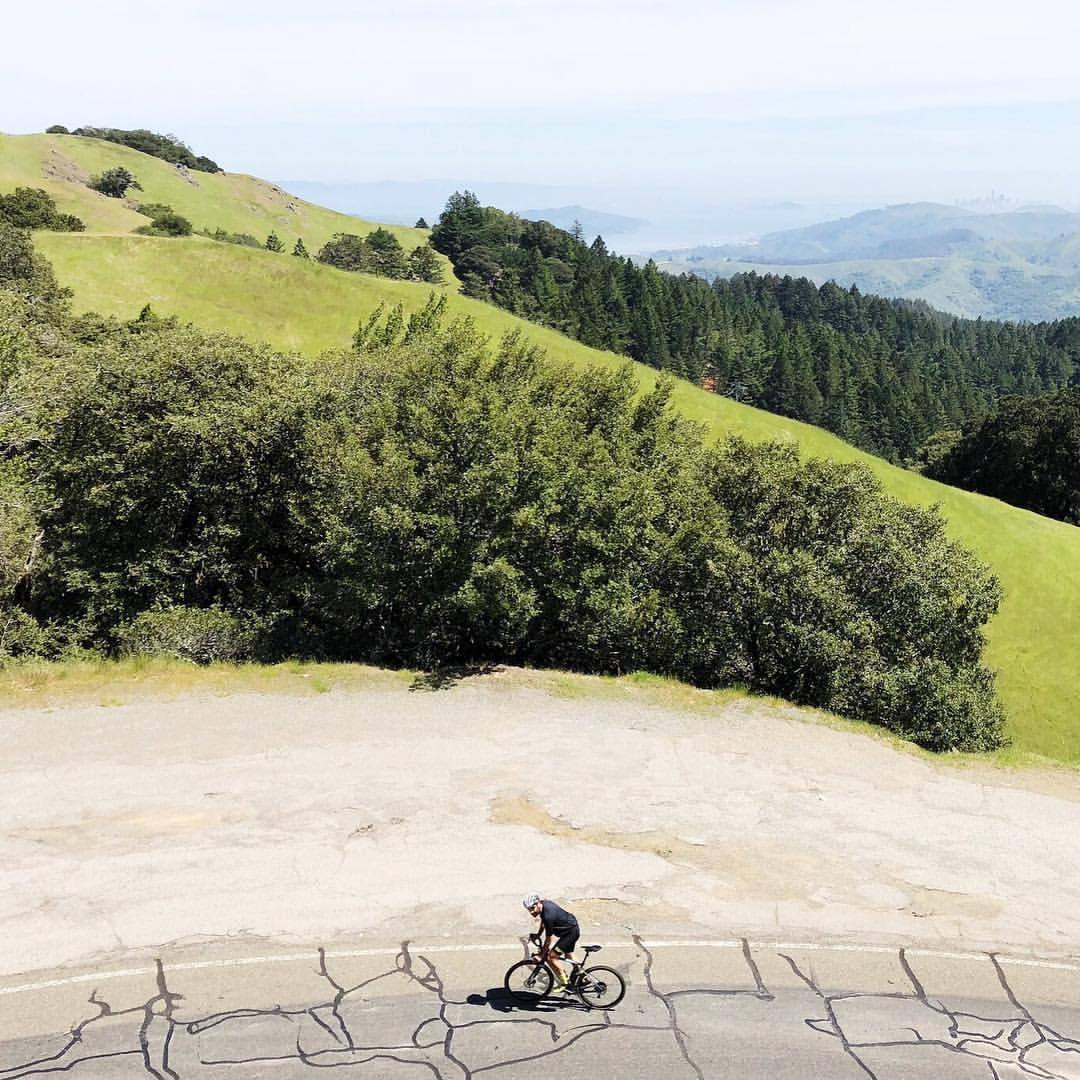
557	923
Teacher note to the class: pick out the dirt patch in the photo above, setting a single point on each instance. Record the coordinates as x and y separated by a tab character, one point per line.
186	175
519	810
58	167
758	869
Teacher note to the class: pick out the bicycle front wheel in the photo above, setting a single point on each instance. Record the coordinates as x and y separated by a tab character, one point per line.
600	988
527	982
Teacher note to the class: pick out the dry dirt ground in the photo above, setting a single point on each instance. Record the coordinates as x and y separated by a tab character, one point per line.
211	829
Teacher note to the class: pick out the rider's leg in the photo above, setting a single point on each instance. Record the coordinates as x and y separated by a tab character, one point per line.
556	967
564	948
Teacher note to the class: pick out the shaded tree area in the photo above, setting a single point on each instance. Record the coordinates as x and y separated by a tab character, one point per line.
883	374
381	253
1026	452
425	498
167	147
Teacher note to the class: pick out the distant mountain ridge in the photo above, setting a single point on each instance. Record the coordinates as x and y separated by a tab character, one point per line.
593	222
1020	264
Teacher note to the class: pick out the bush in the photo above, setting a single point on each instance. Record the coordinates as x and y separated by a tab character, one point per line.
67	223
201	635
166	223
224	237
57	129
33	208
21	636
115	182
152	209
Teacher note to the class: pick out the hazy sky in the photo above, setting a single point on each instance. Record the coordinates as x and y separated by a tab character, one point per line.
800	99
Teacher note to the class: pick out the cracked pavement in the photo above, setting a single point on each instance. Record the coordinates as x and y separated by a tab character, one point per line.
691	1011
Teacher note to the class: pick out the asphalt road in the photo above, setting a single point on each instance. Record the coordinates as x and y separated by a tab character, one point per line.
693	1010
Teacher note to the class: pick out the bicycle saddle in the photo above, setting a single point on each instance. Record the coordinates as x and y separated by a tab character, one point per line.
593	948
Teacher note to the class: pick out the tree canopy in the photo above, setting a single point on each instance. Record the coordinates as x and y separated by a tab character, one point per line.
1026	452
167	147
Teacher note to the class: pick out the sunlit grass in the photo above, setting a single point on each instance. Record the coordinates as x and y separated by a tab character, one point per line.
37	684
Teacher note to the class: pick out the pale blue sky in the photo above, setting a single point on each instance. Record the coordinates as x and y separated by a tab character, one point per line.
801	99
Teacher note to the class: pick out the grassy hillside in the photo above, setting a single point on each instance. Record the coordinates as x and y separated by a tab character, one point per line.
299	305
61	164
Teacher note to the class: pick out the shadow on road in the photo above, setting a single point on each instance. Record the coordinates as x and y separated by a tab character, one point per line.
499	1000
446	678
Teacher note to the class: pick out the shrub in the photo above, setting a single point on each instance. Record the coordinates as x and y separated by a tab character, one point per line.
224	237
67	223
152	209
115	182
21	636
201	635
57	129
166	223
33	208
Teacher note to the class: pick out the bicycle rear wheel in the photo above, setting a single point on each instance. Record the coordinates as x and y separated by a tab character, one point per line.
527	982
600	987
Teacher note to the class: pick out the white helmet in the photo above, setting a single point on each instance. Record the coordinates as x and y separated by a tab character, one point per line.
530	901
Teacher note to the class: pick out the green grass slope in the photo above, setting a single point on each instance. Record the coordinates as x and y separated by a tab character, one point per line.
293	304
62	164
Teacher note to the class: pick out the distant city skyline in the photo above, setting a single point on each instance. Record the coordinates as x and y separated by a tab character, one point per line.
817	101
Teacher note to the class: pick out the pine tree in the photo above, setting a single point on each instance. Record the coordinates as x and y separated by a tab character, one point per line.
273	243
424	265
421	224
386	254
299	250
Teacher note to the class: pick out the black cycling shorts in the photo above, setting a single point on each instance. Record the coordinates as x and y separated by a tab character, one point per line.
566	943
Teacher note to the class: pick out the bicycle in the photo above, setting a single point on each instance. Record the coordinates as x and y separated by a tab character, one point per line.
597	987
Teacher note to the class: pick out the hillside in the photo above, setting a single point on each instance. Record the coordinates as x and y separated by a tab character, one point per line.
1021	265
294	304
61	164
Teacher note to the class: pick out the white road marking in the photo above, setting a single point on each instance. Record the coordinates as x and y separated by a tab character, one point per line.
721	943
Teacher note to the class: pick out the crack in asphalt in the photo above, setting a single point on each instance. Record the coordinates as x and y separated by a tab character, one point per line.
445	1045
992	1040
